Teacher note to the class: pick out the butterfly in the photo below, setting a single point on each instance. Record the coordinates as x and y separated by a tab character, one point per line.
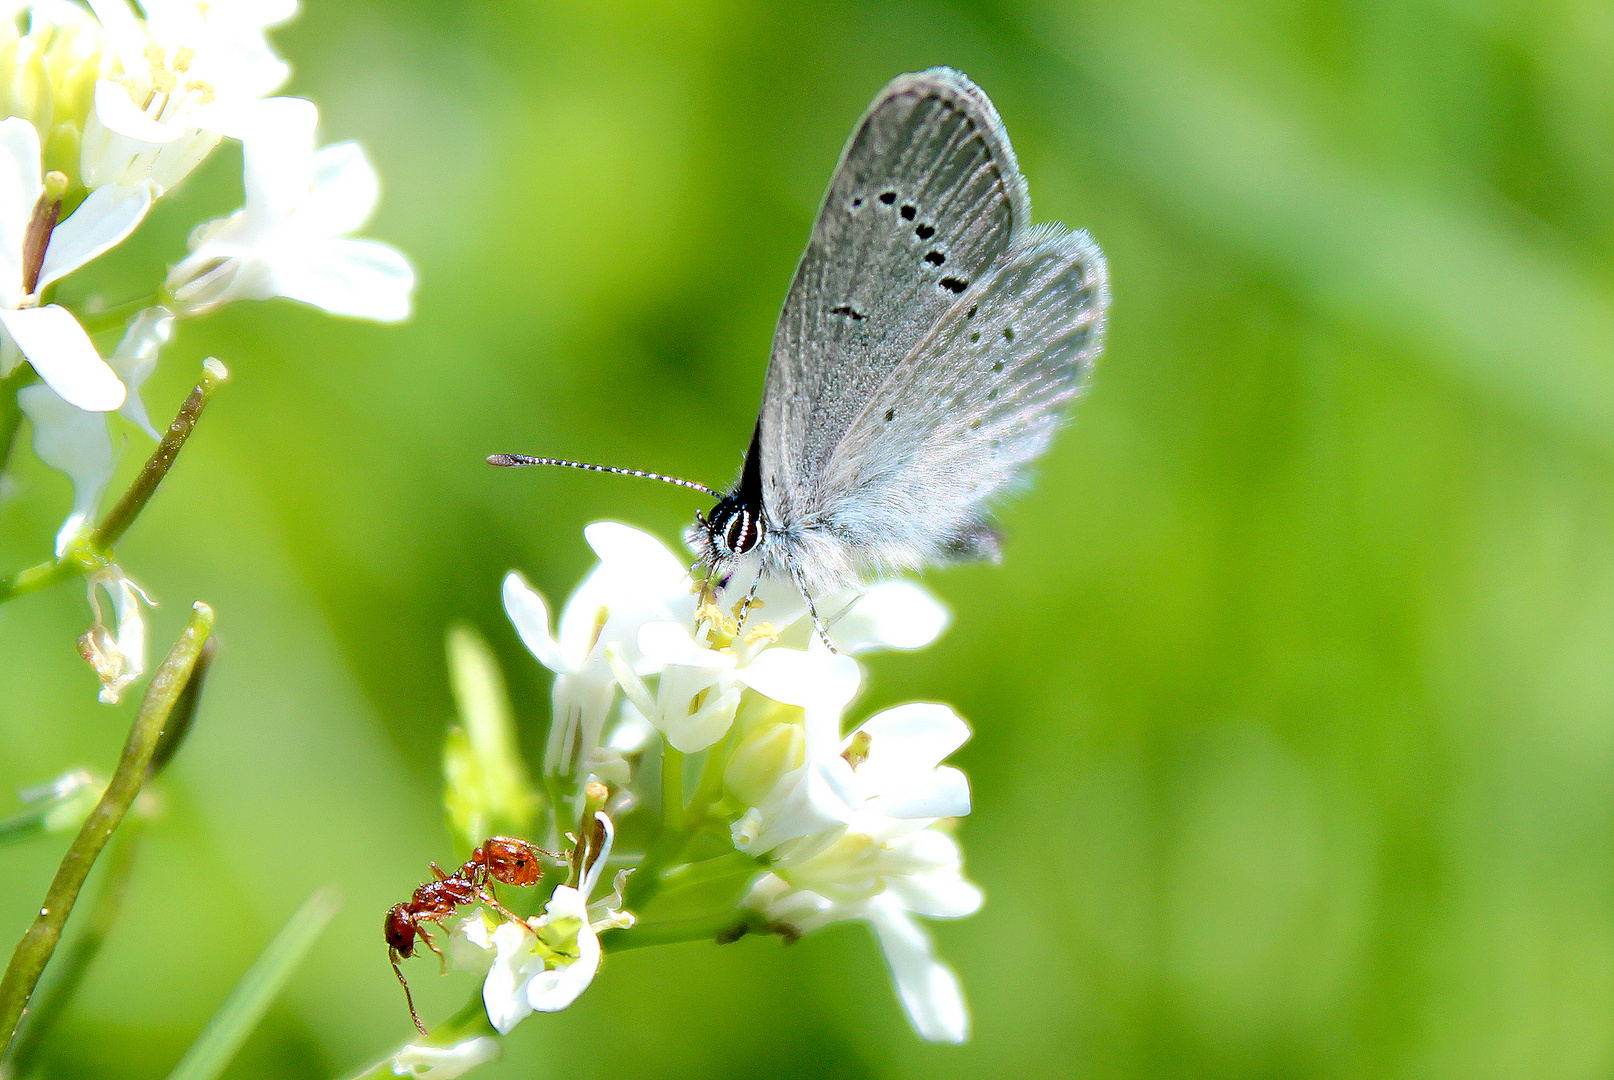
928	349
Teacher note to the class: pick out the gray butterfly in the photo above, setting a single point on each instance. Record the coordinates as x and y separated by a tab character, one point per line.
928	347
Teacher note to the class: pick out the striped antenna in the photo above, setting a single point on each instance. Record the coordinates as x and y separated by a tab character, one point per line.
511	461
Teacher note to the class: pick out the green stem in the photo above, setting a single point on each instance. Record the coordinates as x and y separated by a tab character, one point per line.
672	788
729	925
468	1023
88	554
70	971
39	942
10	410
734	864
115	317
162	459
46	574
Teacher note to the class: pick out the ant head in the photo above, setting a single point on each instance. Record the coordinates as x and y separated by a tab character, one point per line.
399	929
510	861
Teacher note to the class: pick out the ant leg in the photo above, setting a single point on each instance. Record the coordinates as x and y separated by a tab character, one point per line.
432	945
493	902
818	624
409	998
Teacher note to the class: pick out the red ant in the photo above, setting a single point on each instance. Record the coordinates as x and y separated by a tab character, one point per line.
503	859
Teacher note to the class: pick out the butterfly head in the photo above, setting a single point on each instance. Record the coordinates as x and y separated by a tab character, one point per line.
734	528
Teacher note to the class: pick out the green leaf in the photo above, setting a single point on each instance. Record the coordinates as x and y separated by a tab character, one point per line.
241	1011
486	791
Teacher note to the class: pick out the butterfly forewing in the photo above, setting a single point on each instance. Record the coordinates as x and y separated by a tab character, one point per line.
927	199
977	399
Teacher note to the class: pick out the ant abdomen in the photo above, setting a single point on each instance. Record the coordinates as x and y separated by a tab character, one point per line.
509	861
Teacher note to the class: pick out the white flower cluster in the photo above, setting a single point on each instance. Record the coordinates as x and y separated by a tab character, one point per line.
105	109
842	826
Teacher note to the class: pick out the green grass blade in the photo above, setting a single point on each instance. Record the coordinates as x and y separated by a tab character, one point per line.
251	998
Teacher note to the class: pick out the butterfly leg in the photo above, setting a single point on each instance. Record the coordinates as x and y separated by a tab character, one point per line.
750	598
818	624
848	606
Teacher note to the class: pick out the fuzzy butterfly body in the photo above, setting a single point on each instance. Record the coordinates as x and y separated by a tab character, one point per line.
927	350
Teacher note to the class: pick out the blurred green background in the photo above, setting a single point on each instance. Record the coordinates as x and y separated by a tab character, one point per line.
1294	708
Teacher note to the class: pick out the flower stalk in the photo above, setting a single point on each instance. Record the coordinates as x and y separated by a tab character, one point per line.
39	941
70	971
162	459
93	552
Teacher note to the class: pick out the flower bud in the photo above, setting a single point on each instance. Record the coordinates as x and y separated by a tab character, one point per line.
487	791
763	756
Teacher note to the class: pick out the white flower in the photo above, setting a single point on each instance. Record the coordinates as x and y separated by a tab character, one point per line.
117	655
545	963
192	71
291	238
445	1062
702	672
637	581
886	860
885	883
78	442
50	338
698	689
889	768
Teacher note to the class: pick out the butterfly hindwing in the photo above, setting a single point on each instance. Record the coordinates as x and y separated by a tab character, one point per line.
956	422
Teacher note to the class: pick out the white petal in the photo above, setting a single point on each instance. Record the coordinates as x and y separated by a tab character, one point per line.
690	732
637	581
530	615
127	37
941	895
666	642
344	195
445	1062
100	223
891	615
277	149
935	793
136	357
633	687
928	989
64	356
635	555
74	441
504	991
821	680
809	800
919	732
362	279
555	989
470	944
19	191
121	116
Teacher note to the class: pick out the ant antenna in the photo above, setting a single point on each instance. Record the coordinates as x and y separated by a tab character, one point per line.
510	461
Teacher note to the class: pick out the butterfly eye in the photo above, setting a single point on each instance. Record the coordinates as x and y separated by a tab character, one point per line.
741	535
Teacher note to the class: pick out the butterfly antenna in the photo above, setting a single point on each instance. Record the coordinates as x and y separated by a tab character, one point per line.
511	461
